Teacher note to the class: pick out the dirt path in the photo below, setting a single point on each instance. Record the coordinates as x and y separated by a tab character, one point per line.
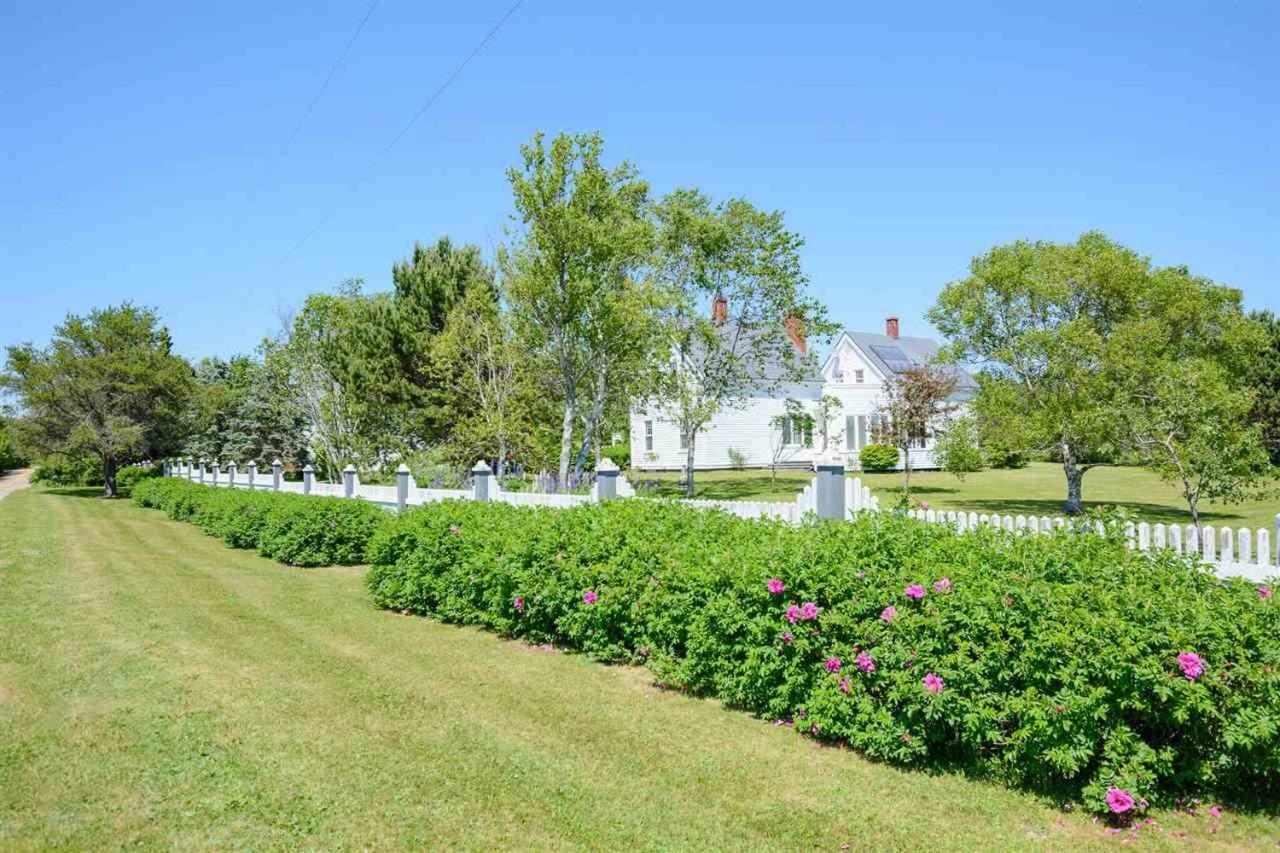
11	481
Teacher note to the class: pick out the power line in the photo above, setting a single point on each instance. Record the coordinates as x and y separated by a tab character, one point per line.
333	71
430	101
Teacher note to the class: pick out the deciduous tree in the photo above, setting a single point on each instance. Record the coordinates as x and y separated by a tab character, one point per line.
107	384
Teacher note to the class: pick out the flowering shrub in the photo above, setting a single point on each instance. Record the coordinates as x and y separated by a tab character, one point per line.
1050	661
294	529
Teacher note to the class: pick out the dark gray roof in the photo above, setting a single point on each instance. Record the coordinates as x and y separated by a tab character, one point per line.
770	364
895	355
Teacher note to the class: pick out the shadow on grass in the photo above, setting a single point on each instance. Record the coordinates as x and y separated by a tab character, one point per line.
79	492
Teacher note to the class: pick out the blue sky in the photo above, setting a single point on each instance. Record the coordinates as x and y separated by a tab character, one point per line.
141	143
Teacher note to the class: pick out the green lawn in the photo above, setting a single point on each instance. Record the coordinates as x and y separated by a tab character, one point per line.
159	690
1039	488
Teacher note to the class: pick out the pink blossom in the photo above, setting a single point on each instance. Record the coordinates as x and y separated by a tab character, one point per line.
889	613
793	613
844	685
519	603
942	585
924	504
808	611
1192	665
833	664
590	597
1264	592
932	683
775	586
787	636
1119	800
1215	811
915	591
865	663
455	529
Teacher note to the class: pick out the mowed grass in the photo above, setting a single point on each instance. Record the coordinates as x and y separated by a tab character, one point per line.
1039	488
160	690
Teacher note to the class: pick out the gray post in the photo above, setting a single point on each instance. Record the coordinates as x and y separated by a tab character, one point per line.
308	477
348	481
191	474
217	469
201	474
481	474
829	489
606	480
277	474
402	487
231	475
253	472
1277	544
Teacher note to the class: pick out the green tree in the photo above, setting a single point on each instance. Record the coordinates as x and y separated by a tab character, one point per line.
107	384
1039	317
571	279
1263	375
957	448
735	259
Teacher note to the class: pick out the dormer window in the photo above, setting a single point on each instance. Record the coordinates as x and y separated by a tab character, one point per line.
857	376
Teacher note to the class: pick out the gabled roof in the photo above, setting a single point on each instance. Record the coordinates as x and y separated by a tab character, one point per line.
891	356
770	365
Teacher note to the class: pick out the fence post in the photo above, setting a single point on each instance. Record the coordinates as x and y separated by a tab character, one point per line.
402	487
201	474
349	481
217	469
606	480
231	475
829	489
253	472
308	478
1277	542
480	487
277	474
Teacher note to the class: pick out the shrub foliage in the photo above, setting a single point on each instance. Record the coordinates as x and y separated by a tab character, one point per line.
294	529
878	457
1048	662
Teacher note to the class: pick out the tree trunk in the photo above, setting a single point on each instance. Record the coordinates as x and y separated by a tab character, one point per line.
688	475
906	472
1075	482
502	458
566	441
108	476
592	425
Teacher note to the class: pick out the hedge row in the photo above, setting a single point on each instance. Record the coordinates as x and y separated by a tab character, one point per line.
1068	664
294	529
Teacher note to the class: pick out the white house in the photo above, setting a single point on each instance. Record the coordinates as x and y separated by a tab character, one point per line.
855	373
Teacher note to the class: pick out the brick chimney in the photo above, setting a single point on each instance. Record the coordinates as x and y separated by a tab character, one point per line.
719	309
891	327
795	331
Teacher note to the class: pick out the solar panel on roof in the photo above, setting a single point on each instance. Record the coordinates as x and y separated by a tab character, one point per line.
894	357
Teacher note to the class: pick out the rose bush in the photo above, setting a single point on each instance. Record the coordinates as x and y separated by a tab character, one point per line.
1057	662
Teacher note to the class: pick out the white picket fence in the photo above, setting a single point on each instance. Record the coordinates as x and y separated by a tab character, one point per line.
1240	552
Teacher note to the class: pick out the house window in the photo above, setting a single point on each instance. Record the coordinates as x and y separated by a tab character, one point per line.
855	432
797	432
684	440
648	436
857	376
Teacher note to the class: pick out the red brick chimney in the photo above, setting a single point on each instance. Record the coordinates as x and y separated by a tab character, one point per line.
719	309
795	331
891	327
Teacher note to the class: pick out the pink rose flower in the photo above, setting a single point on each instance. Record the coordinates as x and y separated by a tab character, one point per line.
1264	592
889	613
932	683
1119	800
590	597
1215	811
844	685
942	585
519	603
833	664
915	591
787	636
455	529
808	611
775	586
924	504
793	613
1192	665
865	663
